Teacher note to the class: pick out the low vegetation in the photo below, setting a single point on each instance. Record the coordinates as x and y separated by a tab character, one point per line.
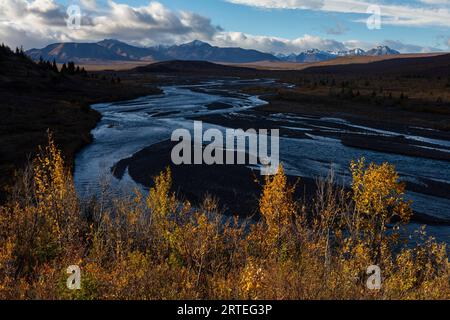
156	247
420	94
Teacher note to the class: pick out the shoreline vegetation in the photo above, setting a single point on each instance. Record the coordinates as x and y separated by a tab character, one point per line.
153	246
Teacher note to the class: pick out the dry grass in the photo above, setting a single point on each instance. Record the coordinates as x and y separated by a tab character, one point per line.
114	65
270	65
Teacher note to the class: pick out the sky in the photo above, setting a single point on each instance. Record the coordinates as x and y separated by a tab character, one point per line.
275	26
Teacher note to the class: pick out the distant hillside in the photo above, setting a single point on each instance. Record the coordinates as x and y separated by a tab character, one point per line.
342	60
315	55
438	65
381	51
77	52
407	66
111	50
125	51
198	50
37	97
15	66
309	56
182	66
114	50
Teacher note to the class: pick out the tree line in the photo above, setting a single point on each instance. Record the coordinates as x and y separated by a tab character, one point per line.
67	68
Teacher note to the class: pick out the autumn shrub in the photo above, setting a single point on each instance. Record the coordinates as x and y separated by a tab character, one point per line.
153	246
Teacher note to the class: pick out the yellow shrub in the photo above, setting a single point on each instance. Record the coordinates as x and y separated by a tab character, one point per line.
157	247
278	209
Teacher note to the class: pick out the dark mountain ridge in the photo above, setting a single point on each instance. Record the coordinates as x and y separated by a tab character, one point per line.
114	50
37	97
191	66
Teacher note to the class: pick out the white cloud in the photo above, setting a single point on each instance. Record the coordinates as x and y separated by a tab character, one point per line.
39	22
338	29
438	14
274	44
355	44
408	48
149	24
36	23
439	2
89	4
287	46
393	44
282	4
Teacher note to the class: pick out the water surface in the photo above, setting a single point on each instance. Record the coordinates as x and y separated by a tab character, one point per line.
127	127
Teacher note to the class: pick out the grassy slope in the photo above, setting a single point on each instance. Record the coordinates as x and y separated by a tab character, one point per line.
414	91
411	90
270	65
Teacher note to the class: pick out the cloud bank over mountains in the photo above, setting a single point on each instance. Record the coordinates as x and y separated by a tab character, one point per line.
36	23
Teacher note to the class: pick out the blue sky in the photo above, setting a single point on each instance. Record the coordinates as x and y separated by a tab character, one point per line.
292	23
267	25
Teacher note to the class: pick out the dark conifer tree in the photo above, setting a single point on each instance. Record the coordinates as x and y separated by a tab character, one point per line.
54	66
64	69
71	67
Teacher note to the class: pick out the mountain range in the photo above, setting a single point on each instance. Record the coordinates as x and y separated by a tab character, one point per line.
114	50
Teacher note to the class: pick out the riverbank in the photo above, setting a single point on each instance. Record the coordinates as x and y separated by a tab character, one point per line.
132	140
362	136
237	188
36	100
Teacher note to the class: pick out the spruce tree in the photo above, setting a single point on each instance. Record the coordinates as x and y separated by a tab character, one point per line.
54	66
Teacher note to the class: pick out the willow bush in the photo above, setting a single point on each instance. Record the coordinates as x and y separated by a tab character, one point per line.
156	247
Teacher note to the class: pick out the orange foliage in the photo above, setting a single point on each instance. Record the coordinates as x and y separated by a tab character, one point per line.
156	247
